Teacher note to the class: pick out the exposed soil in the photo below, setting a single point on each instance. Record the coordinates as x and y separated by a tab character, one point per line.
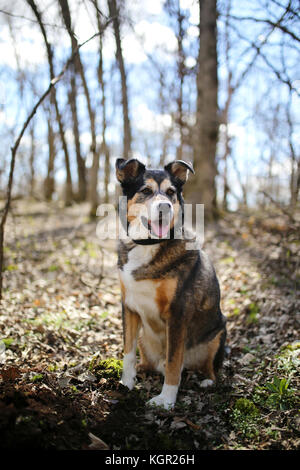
61	316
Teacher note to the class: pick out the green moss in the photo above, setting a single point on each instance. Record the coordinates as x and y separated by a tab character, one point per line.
245	418
246	407
108	368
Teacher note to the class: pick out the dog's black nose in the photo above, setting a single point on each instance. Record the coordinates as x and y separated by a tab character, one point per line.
164	207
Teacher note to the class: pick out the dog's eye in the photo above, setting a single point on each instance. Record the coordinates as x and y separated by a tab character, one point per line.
170	192
147	191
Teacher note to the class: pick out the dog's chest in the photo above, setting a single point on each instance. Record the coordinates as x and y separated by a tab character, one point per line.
140	296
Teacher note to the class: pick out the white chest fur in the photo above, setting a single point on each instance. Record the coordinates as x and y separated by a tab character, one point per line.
140	295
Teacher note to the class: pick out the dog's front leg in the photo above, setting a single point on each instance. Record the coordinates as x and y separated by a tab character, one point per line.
175	336
131	323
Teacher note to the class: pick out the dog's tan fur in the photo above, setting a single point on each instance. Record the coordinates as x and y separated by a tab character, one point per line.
170	298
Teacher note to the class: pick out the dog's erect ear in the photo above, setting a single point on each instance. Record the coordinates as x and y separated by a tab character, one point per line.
179	170
128	170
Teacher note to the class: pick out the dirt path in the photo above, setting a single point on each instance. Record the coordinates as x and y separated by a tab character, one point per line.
60	320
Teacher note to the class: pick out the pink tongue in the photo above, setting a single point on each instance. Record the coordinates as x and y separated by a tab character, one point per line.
160	230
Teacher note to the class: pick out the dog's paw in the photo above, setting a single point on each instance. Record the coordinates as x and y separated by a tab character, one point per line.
206	383
128	381
161	401
167	397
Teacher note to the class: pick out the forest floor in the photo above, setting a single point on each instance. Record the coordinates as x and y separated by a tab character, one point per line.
61	341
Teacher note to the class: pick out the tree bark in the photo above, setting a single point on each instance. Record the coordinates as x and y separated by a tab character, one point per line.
68	188
32	161
49	184
81	171
93	179
104	146
114	14
202	187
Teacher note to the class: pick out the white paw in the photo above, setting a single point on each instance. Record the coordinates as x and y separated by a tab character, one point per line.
206	383
161	400
129	370
167	397
128	381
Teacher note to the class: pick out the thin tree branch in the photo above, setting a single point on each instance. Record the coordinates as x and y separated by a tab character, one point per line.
30	19
269	22
257	48
15	147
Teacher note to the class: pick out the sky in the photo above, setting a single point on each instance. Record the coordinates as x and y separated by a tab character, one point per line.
149	33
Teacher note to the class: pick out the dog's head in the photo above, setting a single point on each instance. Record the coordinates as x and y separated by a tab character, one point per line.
154	197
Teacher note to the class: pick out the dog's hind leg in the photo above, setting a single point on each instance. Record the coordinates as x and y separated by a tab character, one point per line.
145	363
214	359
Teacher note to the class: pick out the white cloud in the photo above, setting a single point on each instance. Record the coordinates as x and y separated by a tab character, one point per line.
155	34
28	47
146	36
132	50
149	121
193	7
193	31
138	9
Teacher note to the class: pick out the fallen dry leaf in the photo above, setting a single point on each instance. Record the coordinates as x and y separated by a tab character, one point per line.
97	443
10	373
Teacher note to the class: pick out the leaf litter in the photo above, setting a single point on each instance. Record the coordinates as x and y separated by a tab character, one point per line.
61	318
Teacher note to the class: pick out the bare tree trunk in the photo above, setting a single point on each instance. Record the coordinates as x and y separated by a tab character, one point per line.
227	146
81	171
49	180
295	162
114	14
93	182
225	172
104	145
68	188
202	188
32	161
225	111
181	76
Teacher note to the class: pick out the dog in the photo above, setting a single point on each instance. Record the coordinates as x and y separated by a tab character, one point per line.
170	294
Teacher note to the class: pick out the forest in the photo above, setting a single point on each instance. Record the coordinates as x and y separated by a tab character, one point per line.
215	83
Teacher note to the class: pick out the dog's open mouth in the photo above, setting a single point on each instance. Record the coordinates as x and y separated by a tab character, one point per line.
160	227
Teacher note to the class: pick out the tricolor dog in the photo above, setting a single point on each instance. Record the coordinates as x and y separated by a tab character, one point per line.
170	294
